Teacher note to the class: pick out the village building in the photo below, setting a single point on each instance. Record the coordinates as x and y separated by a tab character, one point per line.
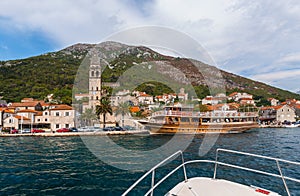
61	116
30	113
182	95
27	105
145	99
211	100
16	122
273	101
81	96
277	114
246	101
236	96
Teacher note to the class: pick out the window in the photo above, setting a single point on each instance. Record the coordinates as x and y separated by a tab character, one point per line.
97	73
46	113
92	74
57	114
91	97
67	114
97	88
38	120
67	125
97	98
57	126
46	119
10	121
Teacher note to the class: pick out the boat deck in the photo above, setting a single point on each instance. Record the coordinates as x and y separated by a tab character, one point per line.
215	187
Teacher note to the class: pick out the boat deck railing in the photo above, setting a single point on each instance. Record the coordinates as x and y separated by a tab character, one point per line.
216	164
214	114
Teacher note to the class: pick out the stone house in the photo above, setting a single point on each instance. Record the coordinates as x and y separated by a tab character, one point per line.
16	121
277	114
236	96
60	116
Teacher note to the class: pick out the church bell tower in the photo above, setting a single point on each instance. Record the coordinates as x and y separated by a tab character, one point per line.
94	82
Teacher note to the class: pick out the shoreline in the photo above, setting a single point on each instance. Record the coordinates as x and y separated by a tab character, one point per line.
71	134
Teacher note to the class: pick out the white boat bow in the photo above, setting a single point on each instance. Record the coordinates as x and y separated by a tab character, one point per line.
214	186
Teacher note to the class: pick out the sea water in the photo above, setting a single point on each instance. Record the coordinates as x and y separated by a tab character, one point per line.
65	166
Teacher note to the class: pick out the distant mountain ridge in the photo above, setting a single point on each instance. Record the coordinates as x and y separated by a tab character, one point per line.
55	72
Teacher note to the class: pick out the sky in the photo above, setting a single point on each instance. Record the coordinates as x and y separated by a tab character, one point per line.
256	39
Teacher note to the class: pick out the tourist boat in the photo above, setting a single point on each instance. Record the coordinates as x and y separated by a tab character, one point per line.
183	119
216	186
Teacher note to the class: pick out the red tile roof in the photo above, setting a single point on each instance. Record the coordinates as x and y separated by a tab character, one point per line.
20	117
272	107
9	111
24	104
62	107
27	111
233	94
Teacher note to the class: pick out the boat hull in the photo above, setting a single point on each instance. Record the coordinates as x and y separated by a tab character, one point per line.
156	128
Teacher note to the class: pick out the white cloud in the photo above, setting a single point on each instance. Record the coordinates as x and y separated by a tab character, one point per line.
237	33
290	58
69	21
274	76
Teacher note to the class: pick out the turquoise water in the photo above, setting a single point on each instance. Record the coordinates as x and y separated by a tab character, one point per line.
64	166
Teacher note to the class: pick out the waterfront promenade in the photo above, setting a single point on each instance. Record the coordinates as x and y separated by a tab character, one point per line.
66	134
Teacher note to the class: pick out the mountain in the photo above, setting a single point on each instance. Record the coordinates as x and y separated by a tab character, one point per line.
55	72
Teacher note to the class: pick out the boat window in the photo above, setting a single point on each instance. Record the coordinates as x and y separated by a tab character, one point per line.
185	119
195	119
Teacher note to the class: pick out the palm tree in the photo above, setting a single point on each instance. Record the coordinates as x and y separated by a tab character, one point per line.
103	108
123	109
88	116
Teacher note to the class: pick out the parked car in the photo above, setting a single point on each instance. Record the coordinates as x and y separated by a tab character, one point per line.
25	131
108	129
73	129
14	131
63	130
37	131
118	128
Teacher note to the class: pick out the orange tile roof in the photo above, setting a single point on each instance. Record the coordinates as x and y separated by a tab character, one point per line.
20	117
39	113
27	111
24	104
209	107
296	106
272	107
2	109
45	104
145	95
232	94
9	111
62	107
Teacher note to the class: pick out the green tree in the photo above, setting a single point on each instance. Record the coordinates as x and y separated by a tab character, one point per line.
103	108
88	117
123	109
